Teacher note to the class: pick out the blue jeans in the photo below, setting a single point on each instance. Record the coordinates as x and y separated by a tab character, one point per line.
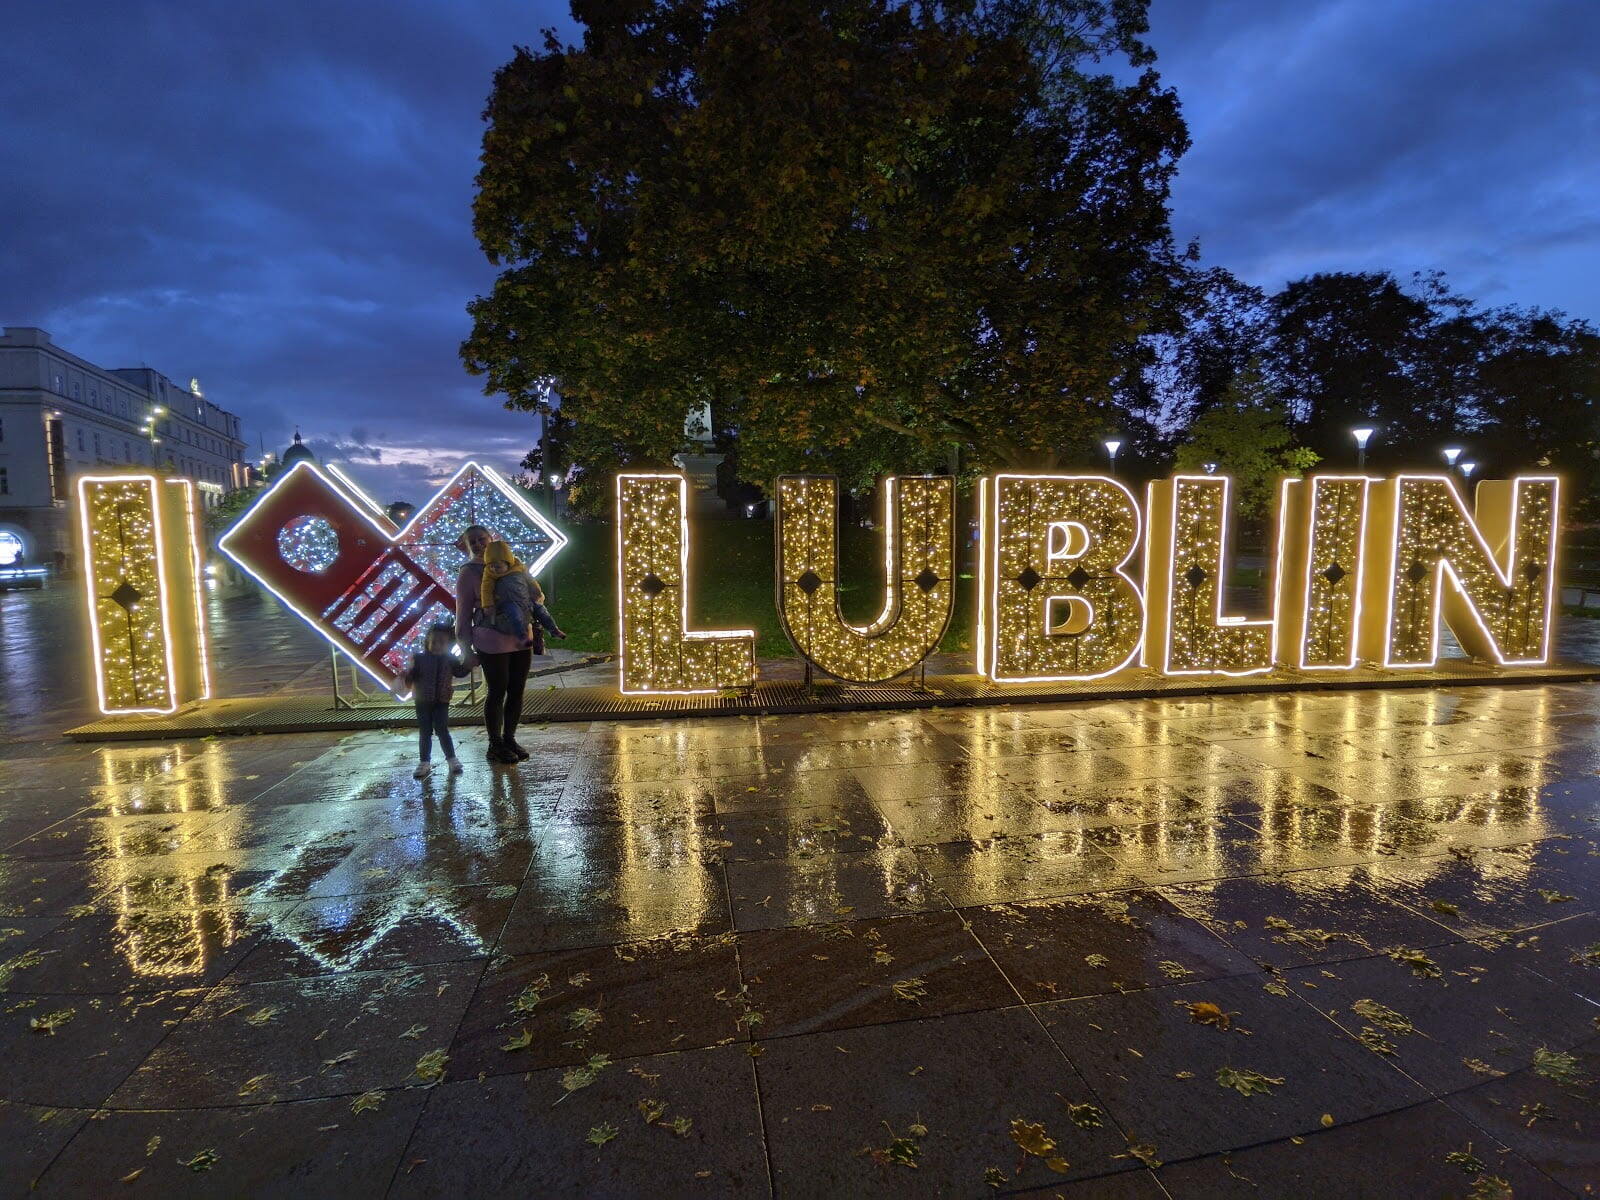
434	719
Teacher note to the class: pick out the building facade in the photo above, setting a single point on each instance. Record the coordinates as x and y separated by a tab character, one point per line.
61	417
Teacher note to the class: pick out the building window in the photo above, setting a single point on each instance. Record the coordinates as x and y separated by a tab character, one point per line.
97	446
80	441
127	452
5	483
59	388
2	431
77	391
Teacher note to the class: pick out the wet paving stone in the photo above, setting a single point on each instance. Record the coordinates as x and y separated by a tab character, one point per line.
33	1135
769	894
1548	1112
102	1037
1396	1154
146	949
1106	942
1178	850
308	1148
1173	1080
1506	888
564	910
803	980
560	1008
1306	916
1449	1018
41	889
595	1140
379	931
831	1099
834	945
1567	953
813	831
293	1040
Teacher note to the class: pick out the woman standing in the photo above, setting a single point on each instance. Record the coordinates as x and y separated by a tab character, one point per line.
504	657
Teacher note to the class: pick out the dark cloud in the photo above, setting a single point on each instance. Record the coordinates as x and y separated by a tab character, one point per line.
1393	134
276	198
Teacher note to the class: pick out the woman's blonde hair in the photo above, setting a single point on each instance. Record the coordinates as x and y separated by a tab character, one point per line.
498	559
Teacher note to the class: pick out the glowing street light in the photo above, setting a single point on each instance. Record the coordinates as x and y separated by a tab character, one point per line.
1468	467
1362	435
1211	468
1112	445
1451	453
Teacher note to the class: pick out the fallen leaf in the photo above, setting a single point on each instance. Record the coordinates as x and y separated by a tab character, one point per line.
1247	1083
366	1102
430	1067
1032	1139
1421	965
1558	1067
912	990
600	1134
201	1160
1086	1116
519	1041
50	1022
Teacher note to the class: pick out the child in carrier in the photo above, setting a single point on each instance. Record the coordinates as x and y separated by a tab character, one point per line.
432	677
512	600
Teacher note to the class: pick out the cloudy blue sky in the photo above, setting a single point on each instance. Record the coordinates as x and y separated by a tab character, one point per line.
275	198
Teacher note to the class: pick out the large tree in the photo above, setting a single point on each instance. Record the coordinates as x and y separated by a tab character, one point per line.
857	227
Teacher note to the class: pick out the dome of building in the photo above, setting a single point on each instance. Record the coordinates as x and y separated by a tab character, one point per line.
298	452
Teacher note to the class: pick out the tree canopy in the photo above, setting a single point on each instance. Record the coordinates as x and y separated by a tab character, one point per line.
863	230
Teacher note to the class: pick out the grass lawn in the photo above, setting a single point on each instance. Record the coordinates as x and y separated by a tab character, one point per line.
732	585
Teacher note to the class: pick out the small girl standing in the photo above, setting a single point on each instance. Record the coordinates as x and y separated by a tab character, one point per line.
432	678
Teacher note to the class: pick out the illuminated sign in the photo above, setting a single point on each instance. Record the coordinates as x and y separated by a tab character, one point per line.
141	578
1186	574
659	652
1320	570
326	549
918	524
1491	576
1055	601
1365	572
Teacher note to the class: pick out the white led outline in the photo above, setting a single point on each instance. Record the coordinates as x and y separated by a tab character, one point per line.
199	592
1221	622
361	496
1442	567
222	544
892	600
161	585
1066	555
683	591
991	596
558	540
1358	588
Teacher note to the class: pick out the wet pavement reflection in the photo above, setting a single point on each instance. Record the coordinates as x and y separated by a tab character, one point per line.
1307	945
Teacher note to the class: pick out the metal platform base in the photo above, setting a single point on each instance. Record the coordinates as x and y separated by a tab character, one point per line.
305	714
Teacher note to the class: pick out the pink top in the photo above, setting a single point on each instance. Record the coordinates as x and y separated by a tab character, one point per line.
486	639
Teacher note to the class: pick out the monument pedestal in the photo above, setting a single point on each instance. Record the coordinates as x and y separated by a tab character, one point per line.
701	470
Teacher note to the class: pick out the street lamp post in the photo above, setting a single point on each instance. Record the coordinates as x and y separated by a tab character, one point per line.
546	477
1112	446
1362	435
1468	467
1451	453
